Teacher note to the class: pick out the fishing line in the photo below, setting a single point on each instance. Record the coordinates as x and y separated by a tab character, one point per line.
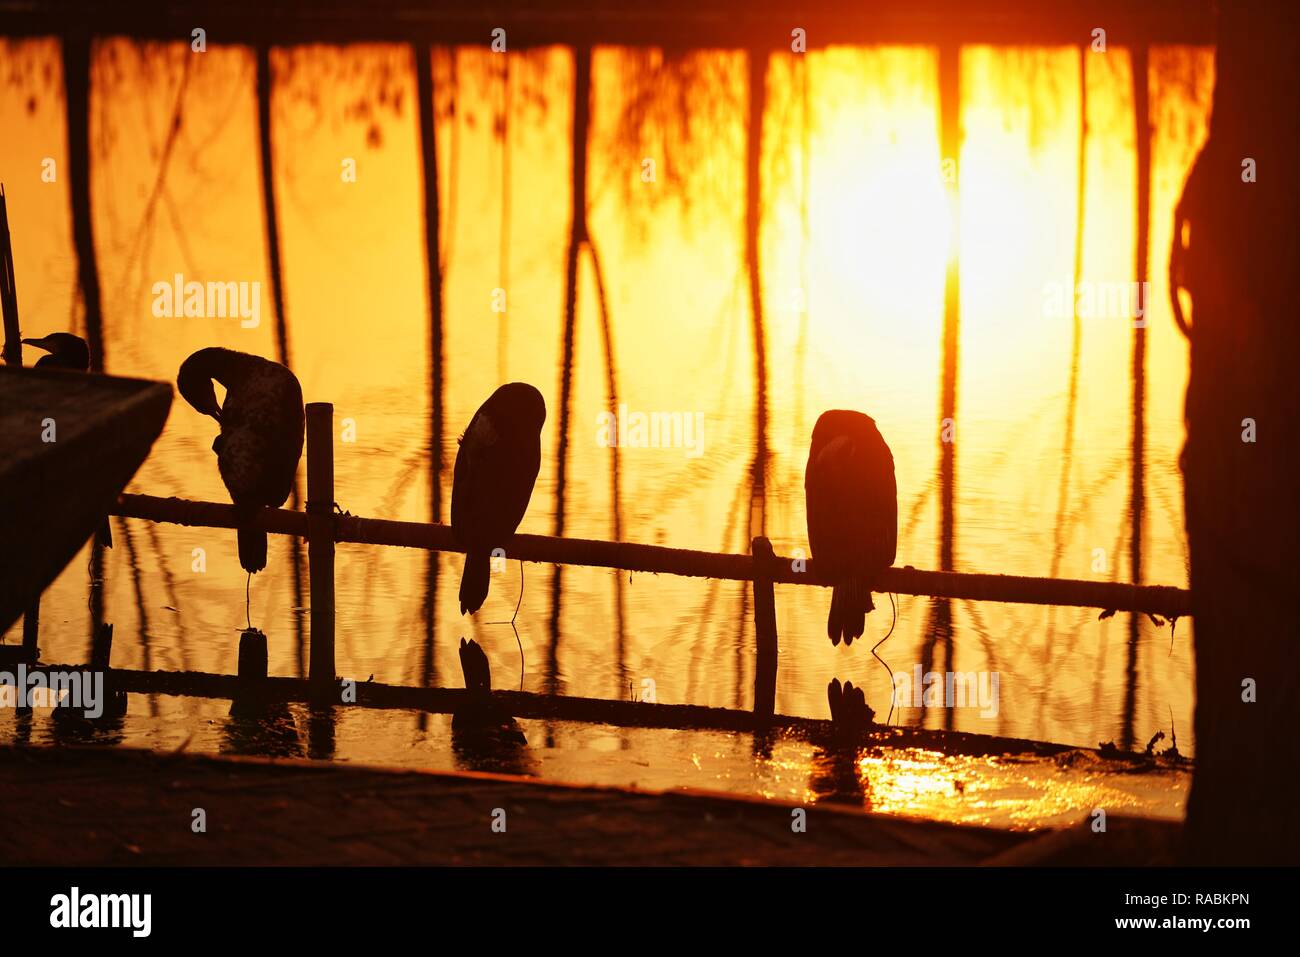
894	607
511	623
248	615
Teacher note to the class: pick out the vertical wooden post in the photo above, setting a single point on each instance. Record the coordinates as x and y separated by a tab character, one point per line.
252	666
320	547
13	350
764	629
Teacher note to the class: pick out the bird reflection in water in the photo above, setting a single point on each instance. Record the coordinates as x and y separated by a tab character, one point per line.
837	773
484	735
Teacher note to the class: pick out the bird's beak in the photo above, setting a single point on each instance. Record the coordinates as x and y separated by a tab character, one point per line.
38	343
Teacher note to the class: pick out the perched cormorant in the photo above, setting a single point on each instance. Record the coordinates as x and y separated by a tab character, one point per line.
261	433
496	467
66	351
852	505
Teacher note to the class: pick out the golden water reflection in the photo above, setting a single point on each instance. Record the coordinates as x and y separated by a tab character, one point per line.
1006	791
853	243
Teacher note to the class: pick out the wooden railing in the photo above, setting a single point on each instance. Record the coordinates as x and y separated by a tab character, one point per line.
322	526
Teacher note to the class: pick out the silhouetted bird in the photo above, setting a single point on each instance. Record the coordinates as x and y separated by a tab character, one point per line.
66	351
261	433
852	505
496	467
480	724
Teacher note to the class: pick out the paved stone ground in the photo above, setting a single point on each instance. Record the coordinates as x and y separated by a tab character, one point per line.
118	806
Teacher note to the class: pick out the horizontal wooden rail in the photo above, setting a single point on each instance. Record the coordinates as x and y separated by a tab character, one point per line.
1162	600
530	705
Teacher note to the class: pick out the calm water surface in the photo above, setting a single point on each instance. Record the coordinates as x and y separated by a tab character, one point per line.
853	245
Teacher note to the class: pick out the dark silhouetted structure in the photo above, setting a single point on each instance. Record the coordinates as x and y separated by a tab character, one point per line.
852	504
496	466
67	351
261	433
1242	459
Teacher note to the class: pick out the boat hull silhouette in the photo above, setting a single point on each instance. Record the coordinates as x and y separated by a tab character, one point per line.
69	443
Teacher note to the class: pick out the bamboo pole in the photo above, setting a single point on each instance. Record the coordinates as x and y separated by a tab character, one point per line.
1164	600
764	629
321	537
13	348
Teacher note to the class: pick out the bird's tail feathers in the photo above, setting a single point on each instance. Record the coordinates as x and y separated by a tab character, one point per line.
252	549
850	603
474	580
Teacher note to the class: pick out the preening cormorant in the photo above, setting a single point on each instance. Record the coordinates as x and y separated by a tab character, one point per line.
66	351
261	433
852	504
496	466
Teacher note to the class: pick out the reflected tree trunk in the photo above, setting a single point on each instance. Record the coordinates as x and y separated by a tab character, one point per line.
1137	499
271	212
939	629
577	239
1240	461
758	61
78	51
433	271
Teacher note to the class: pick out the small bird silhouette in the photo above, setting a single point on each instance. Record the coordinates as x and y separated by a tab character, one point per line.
66	351
261	433
852	505
496	466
